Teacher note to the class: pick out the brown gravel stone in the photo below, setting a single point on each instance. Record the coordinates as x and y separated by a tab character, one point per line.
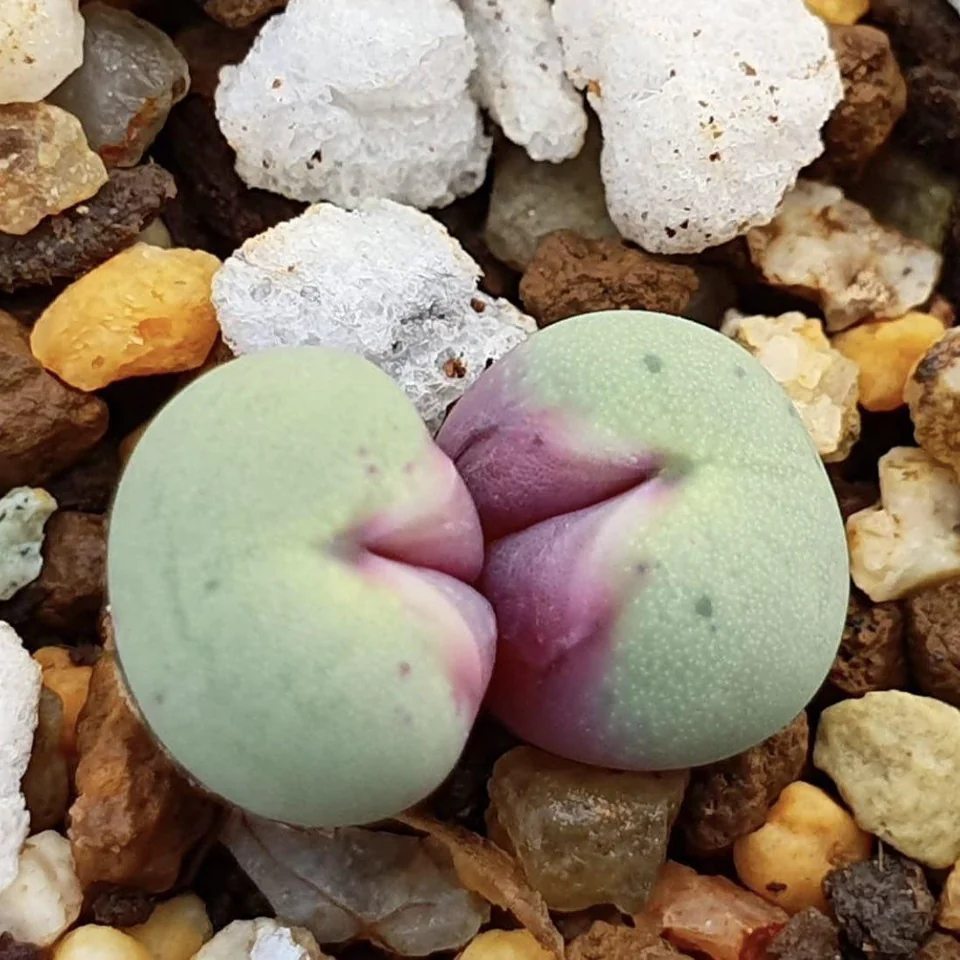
74	242
135	816
608	941
572	274
10	949
46	784
45	426
121	907
205	165
933	641
88	486
922	31
874	99
241	13
729	799
872	654
808	936
209	46
65	600
853	495
950	277
939	946
932	124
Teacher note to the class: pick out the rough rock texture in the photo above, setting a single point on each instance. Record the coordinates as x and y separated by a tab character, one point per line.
932	125
572	274
939	946
874	99
134	817
719	109
830	250
71	243
729	799
46	784
583	835
45	426
608	941
132	75
948	906
65	600
261	939
808	936
933	395
24	512
872	654
19	699
911	539
531	200
385	281
45	898
884	907
209	183
520	77
88	485
895	757
121	907
47	165
393	890
11	949
241	13
821	382
933	641
207	47
923	31
385	112
41	43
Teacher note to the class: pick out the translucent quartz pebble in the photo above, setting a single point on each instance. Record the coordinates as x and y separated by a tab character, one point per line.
41	43
341	101
520	77
46	165
385	281
400	891
132	75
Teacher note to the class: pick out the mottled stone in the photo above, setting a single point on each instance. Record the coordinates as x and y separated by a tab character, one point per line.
872	654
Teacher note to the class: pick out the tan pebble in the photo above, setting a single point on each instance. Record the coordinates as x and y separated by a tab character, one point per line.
807	834
505	945
100	943
948	909
176	929
71	683
933	395
841	12
145	311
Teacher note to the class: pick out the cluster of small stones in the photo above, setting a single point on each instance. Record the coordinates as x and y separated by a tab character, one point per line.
177	189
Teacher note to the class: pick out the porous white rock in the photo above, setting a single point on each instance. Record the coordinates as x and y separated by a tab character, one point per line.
342	101
384	281
827	248
261	939
520	77
41	44
709	110
911	539
24	512
20	681
45	898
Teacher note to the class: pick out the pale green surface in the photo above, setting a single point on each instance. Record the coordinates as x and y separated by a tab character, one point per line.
263	662
739	620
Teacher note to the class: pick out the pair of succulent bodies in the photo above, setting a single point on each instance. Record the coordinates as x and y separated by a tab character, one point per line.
622	540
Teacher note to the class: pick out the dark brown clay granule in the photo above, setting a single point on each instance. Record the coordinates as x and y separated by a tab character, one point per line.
64	601
608	941
729	799
10	949
922	31
884	908
207	47
88	485
932	124
808	936
939	946
950	276
45	426
572	274
872	654
240	13
933	641
70	244
204	162
121	907
227	891
853	496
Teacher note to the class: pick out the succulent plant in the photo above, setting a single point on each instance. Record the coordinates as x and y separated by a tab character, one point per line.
288	565
666	557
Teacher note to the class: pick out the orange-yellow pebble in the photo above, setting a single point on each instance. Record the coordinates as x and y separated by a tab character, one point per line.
505	945
806	835
145	311
71	683
886	352
176	929
99	943
839	12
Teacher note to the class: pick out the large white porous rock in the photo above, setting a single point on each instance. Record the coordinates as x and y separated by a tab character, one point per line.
341	101
520	77
20	680
41	44
262	939
385	281
709	110
895	758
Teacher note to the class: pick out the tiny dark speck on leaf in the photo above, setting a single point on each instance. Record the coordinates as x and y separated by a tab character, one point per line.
25	551
653	363
3	515
210	586
739	371
404	669
159	699
704	606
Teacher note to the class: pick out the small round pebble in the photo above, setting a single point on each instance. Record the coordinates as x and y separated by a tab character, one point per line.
100	943
810	935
